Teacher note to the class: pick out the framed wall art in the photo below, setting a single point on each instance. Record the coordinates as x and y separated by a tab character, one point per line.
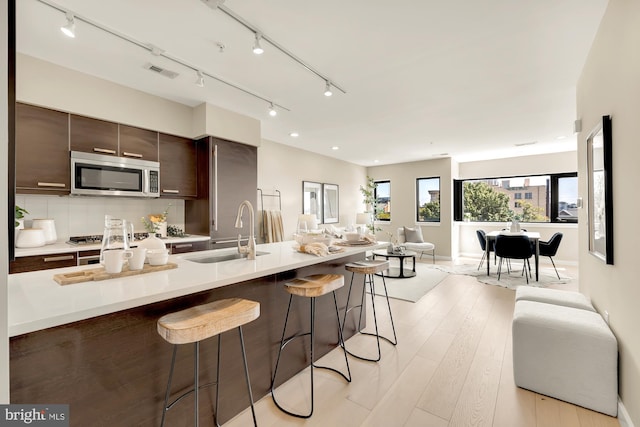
600	197
331	204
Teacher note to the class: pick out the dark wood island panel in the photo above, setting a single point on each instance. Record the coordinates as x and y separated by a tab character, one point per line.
112	370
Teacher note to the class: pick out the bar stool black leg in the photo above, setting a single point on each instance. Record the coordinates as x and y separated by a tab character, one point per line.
369	280
312	365
246	375
168	392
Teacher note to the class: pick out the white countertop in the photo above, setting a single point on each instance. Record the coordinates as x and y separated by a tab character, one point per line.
61	247
37	302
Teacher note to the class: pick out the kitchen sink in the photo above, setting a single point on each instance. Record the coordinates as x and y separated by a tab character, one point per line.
222	257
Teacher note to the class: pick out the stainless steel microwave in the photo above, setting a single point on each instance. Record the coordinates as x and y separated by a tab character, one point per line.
102	175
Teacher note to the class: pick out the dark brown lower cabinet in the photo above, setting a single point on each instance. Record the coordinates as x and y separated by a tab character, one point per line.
43	262
112	370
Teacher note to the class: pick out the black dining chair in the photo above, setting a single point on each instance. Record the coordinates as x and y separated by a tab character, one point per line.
513	247
482	238
550	248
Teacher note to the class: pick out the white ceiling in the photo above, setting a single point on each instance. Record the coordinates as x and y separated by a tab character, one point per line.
422	77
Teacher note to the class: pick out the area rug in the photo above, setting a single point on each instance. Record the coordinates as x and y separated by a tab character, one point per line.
414	288
547	276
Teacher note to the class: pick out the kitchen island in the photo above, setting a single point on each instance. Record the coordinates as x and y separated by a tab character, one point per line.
94	345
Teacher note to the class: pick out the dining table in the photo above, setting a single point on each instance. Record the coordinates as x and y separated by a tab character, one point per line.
533	236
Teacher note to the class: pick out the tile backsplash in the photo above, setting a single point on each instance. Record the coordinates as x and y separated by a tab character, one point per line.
79	216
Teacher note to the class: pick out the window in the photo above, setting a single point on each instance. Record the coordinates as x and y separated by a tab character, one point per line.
547	198
382	194
564	206
428	199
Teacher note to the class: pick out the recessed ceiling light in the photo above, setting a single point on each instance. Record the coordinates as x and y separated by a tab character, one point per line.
294	134
376	161
335	148
561	137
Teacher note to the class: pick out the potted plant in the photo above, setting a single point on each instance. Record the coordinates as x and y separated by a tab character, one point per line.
19	220
369	199
19	217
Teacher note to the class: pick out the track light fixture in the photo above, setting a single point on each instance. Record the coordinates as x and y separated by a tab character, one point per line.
155	50
327	89
259	35
257	49
69	29
272	110
200	79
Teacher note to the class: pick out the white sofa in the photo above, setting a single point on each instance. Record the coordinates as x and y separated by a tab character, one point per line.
421	248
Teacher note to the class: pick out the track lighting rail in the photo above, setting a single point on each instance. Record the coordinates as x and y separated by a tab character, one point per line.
159	52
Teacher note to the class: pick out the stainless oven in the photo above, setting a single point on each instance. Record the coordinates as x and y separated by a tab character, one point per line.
102	175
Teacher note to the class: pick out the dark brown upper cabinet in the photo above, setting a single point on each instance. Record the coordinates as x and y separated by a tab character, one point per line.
178	160
42	151
93	136
138	143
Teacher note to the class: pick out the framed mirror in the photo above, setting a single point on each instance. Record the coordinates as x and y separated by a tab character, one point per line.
312	199
600	202
331	213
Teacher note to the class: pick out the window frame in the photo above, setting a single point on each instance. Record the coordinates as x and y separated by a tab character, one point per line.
458	192
417	200
375	196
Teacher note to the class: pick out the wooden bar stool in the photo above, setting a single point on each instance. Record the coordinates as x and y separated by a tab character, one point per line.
311	287
198	323
369	269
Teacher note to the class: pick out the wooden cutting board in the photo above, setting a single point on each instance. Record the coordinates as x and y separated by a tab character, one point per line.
96	274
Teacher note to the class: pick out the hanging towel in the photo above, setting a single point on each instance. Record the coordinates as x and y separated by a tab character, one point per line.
272	226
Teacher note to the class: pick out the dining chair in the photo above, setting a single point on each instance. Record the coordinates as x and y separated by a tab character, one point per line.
550	248
482	238
513	247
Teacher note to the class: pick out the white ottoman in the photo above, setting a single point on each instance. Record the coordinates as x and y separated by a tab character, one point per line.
566	353
554	296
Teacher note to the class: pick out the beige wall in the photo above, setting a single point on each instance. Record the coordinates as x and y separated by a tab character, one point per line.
534	165
403	200
281	167
453	240
609	85
4	256
80	93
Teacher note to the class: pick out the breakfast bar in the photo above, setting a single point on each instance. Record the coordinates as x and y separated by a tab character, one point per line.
93	345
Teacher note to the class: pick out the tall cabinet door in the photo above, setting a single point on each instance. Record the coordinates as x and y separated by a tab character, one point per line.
235	173
227	175
38	131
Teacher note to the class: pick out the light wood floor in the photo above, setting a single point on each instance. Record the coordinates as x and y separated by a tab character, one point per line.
452	367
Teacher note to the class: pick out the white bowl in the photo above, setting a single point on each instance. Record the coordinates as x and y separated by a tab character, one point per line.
352	236
30	238
157	256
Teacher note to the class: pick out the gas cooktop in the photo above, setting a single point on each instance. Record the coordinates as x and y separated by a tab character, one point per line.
97	239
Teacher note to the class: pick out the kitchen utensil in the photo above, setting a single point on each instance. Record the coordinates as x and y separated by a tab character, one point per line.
136	262
114	260
158	256
117	235
30	238
48	226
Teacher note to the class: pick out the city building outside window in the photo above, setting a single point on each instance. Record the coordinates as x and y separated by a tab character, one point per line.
428	199
382	194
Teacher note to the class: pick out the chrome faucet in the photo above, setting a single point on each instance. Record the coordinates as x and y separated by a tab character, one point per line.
250	249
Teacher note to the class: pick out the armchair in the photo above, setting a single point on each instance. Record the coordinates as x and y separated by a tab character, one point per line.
414	242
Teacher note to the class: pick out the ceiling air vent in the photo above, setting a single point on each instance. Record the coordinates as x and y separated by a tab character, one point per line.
161	71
